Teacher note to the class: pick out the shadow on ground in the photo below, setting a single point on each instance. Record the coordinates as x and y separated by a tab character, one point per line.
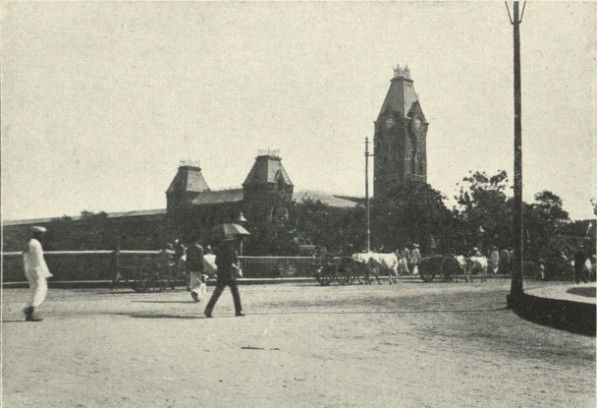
583	291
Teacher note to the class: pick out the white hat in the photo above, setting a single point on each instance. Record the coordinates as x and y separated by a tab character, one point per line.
39	229
416	245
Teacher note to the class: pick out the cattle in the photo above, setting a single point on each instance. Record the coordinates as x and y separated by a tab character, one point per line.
374	263
385	263
462	267
476	264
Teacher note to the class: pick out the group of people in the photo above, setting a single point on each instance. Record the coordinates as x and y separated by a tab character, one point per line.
195	263
408	260
498	261
178	259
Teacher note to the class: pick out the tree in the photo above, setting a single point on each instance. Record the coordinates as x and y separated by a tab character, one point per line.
333	227
271	227
411	212
485	210
544	221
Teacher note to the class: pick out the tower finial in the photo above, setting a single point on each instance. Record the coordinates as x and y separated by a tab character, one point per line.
406	72
398	71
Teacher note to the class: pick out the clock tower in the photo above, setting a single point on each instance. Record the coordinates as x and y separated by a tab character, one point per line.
399	142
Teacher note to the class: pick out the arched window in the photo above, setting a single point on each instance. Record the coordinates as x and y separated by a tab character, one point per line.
420	162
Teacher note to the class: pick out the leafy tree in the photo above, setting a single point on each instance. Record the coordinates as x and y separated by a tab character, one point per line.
544	221
270	226
333	227
484	209
411	212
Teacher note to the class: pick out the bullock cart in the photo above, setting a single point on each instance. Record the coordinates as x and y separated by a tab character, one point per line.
335	269
146	271
442	266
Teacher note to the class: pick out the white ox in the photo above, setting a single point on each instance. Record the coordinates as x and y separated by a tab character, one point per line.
476	264
462	266
375	263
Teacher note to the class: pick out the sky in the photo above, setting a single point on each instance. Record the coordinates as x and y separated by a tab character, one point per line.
101	100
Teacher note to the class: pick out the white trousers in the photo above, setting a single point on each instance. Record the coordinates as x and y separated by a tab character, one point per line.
415	269
39	289
197	284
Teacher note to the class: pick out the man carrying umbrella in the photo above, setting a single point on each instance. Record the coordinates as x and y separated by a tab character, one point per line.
228	266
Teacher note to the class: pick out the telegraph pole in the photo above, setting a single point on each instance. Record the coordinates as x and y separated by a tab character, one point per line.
367	155
516	286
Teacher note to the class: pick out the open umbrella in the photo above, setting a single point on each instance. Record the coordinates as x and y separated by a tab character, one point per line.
228	231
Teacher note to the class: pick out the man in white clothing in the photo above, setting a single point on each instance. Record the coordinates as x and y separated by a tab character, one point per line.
415	259
37	273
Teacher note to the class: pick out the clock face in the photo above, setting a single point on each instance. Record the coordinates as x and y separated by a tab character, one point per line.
389	122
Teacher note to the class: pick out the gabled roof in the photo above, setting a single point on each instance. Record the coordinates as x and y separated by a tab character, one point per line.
327	198
188	179
218	197
400	97
267	169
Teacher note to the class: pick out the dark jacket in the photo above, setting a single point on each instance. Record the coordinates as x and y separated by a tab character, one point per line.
579	261
226	256
195	258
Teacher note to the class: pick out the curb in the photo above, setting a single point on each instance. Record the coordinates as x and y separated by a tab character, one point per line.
91	284
576	317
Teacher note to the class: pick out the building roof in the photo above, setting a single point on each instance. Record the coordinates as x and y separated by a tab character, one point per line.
121	214
267	169
218	197
401	97
188	179
327	198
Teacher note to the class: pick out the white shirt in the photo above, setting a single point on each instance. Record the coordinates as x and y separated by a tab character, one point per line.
415	256
34	262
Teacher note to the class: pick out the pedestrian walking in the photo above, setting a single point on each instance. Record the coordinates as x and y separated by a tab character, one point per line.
402	262
195	270
415	259
494	260
505	262
579	262
406	257
167	263
179	260
228	270
37	273
115	266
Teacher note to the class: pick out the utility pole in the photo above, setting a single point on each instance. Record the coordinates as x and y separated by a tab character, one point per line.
367	155
516	286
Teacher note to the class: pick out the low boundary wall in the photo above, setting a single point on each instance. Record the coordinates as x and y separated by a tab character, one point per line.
562	314
101	265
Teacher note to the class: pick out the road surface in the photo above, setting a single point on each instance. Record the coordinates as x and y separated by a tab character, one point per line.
300	345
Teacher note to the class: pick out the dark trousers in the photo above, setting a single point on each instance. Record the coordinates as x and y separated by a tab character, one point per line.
220	285
578	275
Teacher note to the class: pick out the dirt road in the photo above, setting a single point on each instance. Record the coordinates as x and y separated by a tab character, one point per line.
405	345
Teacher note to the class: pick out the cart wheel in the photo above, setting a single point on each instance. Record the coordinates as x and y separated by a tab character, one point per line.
426	273
450	269
156	284
324	275
349	277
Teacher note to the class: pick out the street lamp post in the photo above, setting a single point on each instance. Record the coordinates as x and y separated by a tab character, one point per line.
516	286
367	155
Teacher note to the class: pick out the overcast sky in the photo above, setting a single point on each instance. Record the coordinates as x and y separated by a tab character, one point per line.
100	101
